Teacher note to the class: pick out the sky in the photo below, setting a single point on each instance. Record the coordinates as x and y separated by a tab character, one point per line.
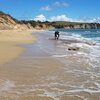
53	10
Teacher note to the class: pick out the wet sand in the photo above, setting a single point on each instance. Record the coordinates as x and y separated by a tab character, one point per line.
48	71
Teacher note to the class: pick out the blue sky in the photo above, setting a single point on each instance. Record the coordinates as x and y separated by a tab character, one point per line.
68	10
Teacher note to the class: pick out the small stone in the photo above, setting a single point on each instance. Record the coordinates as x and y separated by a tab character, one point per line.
73	48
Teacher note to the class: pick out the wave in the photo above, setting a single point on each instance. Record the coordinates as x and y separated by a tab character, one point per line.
98	31
88	47
88	31
6	86
87	40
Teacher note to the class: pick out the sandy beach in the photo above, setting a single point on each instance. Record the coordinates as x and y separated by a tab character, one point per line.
46	70
49	50
10	41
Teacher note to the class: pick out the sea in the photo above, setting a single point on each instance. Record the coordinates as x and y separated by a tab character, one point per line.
81	65
88	40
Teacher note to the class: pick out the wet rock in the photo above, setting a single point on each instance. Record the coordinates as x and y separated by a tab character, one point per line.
74	48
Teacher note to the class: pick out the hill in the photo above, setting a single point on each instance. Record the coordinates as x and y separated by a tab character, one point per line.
7	22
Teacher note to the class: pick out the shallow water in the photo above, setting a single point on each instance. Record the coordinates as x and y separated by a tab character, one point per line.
49	71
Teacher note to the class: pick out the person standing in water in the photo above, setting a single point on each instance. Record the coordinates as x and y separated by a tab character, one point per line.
56	35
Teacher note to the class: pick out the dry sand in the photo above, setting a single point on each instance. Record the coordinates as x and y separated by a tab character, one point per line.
10	41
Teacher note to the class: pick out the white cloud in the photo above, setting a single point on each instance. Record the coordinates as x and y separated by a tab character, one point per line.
46	8
56	4
65	4
61	4
41	18
97	20
60	18
88	20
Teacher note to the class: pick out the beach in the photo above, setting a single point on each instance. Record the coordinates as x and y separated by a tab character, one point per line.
9	41
40	68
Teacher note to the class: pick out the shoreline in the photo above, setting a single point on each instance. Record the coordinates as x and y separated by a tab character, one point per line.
10	41
49	71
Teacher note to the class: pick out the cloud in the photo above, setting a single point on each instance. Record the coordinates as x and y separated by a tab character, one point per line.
88	20
60	18
60	4
41	18
97	19
56	4
45	8
63	17
66	18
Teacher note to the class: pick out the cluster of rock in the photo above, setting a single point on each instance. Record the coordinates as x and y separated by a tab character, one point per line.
73	48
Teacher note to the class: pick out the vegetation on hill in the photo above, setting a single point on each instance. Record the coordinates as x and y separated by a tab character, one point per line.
50	25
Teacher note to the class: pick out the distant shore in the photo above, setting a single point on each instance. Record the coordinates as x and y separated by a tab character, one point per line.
10	41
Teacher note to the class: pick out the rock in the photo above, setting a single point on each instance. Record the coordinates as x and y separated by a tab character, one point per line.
74	48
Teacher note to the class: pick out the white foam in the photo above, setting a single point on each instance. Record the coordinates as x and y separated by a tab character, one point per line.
80	38
6	86
52	90
83	90
59	56
76	35
66	37
97	84
53	95
87	48
80	45
98	31
94	55
82	53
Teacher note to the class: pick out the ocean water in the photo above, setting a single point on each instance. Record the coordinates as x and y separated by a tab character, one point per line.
88	40
92	34
82	64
